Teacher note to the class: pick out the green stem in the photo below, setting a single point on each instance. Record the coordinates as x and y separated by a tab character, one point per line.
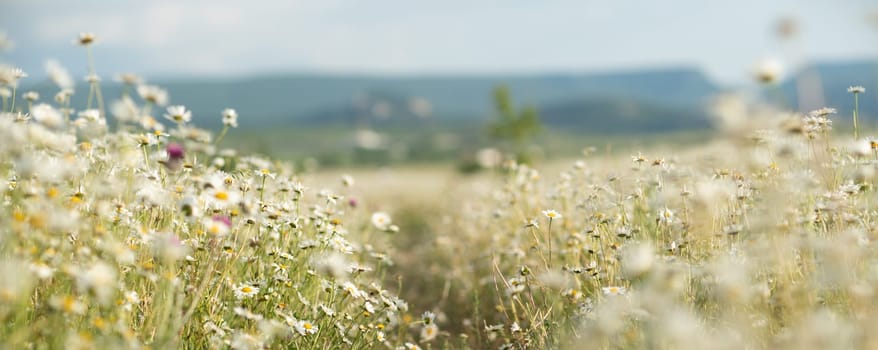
66	105
146	156
12	109
549	239
856	114
262	190
91	93
222	134
100	99
95	85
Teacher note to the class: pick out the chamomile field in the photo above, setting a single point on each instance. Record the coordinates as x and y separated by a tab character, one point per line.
123	225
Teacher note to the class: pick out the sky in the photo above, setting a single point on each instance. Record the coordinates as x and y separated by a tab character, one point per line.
221	38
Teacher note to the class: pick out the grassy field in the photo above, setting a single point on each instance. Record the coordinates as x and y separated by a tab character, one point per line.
335	147
155	234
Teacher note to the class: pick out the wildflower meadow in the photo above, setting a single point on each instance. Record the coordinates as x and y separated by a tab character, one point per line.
125	226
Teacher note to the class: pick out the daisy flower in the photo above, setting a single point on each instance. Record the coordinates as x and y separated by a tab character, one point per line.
86	38
220	197
153	94
129	79
67	304
216	227
552	214
178	114
31	96
666	216
768	71
428	317
429	332
614	290
99	279
230	118
245	291
304	327
381	220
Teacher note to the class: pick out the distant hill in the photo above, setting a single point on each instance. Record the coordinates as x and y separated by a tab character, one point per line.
648	100
291	98
606	115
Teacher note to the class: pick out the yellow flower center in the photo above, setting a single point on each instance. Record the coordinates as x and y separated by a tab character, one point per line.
68	304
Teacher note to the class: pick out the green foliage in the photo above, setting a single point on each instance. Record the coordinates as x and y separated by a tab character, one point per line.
511	125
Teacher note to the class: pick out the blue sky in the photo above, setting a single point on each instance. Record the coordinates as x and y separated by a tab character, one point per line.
167	38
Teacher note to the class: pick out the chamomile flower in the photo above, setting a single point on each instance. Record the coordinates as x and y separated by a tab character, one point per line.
666	216
551	214
304	327
86	38
67	304
428	317
47	115
215	227
153	94
42	271
429	332
515	328
129	79
178	114
381	220
768	71
230	118
220	197
245	291
149	123
347	180
59	75
90	115
99	279
130	299
614	290
10	76
352	290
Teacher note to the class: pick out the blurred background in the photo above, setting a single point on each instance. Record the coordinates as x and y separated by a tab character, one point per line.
337	83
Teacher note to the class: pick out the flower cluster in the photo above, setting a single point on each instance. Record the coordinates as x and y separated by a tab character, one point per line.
761	238
136	233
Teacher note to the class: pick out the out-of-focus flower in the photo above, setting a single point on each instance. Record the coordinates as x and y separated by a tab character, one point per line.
86	38
178	114
153	94
59	75
768	71
381	220
230	118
